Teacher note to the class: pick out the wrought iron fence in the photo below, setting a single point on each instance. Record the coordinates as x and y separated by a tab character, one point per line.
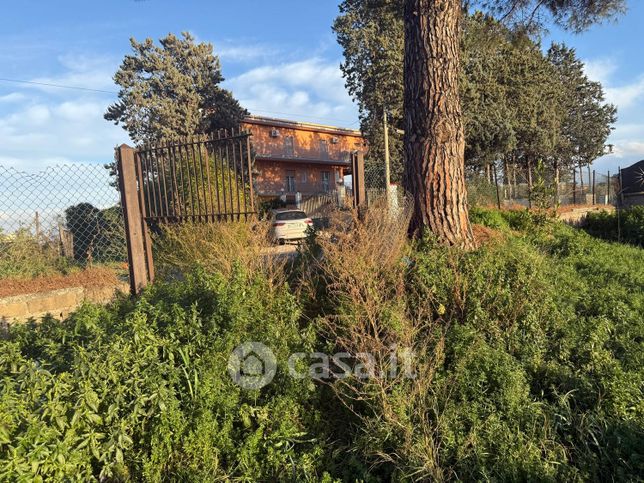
197	180
69	212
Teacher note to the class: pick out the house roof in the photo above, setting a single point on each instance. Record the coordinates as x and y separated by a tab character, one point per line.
305	126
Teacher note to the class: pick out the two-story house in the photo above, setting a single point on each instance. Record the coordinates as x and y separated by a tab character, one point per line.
302	157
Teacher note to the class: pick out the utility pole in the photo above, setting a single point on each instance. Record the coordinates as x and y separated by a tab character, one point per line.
387	168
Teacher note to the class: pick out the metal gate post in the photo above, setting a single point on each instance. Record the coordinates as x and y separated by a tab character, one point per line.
134	232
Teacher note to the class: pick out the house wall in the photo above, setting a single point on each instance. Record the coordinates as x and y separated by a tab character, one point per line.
306	142
270	179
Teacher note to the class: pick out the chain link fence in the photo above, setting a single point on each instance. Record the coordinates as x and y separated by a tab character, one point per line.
63	216
375	182
544	189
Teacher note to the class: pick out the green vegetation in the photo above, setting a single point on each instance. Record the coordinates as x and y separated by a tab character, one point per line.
624	226
529	365
519	104
172	90
96	236
23	256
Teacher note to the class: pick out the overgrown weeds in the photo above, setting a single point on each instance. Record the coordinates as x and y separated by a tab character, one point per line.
219	248
24	256
625	226
521	360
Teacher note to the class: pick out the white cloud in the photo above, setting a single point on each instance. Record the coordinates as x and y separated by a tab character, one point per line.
12	97
600	70
88	72
311	89
42	126
237	52
626	96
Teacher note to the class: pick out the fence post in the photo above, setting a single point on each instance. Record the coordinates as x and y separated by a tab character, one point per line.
594	194
496	183
358	181
146	233
574	186
621	188
132	215
608	190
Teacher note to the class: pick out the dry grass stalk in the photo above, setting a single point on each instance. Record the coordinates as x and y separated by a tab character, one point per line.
362	264
218	247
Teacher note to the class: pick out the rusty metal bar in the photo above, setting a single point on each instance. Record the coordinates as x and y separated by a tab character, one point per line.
215	161
232	142
202	178
230	176
182	194
130	202
241	170
157	182
144	181
173	181
191	155
147	241
223	175
165	187
250	174
209	200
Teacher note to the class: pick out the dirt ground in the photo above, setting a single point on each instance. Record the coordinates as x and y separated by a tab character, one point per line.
89	277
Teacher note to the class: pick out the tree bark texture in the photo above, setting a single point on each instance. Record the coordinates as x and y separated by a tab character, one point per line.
434	138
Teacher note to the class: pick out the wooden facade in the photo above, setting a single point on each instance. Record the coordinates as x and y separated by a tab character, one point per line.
292	157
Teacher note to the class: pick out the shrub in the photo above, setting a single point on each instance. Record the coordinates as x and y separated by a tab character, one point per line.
488	217
624	225
140	390
527	356
24	256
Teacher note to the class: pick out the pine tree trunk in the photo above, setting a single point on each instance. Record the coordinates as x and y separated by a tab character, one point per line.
434	139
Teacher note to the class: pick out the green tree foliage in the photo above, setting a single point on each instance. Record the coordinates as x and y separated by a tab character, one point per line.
172	90
575	15
98	235
587	119
485	91
371	34
518	104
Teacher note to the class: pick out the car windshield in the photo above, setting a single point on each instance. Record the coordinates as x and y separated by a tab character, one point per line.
290	215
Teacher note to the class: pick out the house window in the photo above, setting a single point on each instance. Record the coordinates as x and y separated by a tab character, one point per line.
289	147
305	178
326	177
324	149
290	181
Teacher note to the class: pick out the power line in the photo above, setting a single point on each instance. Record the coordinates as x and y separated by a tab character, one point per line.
88	89
59	86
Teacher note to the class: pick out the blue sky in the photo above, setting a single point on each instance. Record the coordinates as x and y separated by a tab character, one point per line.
279	59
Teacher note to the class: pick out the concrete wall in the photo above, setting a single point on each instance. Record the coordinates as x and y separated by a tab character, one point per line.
576	216
58	303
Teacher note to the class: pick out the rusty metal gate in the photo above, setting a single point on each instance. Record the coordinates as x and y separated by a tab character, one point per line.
201	180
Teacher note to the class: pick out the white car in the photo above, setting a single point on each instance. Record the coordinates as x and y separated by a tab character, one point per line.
289	225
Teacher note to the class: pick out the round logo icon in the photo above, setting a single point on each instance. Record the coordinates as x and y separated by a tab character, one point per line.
252	365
